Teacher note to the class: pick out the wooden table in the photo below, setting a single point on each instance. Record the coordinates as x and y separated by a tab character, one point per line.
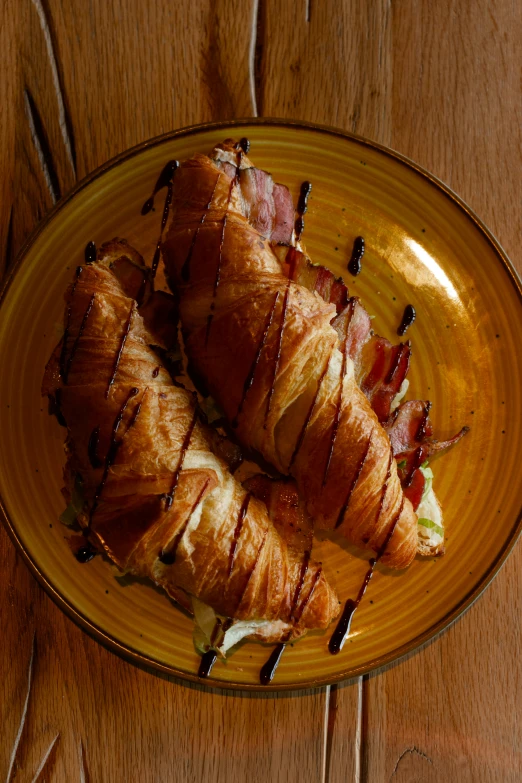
81	81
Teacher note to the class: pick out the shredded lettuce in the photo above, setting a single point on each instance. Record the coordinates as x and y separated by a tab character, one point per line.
428	476
431	525
400	395
211	409
205	623
75	507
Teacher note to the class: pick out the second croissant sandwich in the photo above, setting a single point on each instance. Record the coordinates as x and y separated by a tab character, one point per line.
158	499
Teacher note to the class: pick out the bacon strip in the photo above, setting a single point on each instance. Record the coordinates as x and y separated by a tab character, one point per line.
410	432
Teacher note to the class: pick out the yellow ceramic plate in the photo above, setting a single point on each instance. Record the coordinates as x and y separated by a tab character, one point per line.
423	246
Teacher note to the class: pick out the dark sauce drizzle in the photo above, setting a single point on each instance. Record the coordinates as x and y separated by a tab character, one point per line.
407	319
90	253
252	570
237	532
217	278
244	143
209	658
343	626
65	375
120	350
384	487
302	433
169	498
185	270
85	554
302	208
55	407
355	263
111	452
207	663
168	556
251	373
339	406
269	668
163	181
354	482
92	448
65	337
278	352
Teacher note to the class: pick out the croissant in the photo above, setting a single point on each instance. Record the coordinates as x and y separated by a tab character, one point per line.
158	500
267	352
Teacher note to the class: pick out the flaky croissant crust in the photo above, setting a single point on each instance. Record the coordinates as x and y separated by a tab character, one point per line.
158	500
266	350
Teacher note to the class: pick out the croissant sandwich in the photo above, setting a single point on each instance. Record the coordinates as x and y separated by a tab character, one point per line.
158	498
282	360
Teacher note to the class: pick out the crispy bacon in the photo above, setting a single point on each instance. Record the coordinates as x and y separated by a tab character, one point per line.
410	432
406	432
284	215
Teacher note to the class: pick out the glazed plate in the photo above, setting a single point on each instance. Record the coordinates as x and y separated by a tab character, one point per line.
424	247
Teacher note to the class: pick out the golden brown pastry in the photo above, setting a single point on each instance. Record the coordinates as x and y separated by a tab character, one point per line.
267	352
157	499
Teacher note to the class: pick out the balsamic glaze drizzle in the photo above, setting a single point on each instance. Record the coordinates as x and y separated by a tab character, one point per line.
169	498
269	669
343	626
65	337
278	352
244	143
90	253
237	532
251	373
207	663
301	437
168	556
85	554
209	658
355	263
120	349
65	374
252	570
92	448
217	278
339	406
354	482
163	181
111	452
408	318
185	270
302	208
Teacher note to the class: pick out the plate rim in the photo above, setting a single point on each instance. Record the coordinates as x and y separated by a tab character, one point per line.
126	651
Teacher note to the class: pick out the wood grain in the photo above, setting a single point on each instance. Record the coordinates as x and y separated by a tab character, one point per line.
87	80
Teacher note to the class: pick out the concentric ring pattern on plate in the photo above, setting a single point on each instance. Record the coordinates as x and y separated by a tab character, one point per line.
422	247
